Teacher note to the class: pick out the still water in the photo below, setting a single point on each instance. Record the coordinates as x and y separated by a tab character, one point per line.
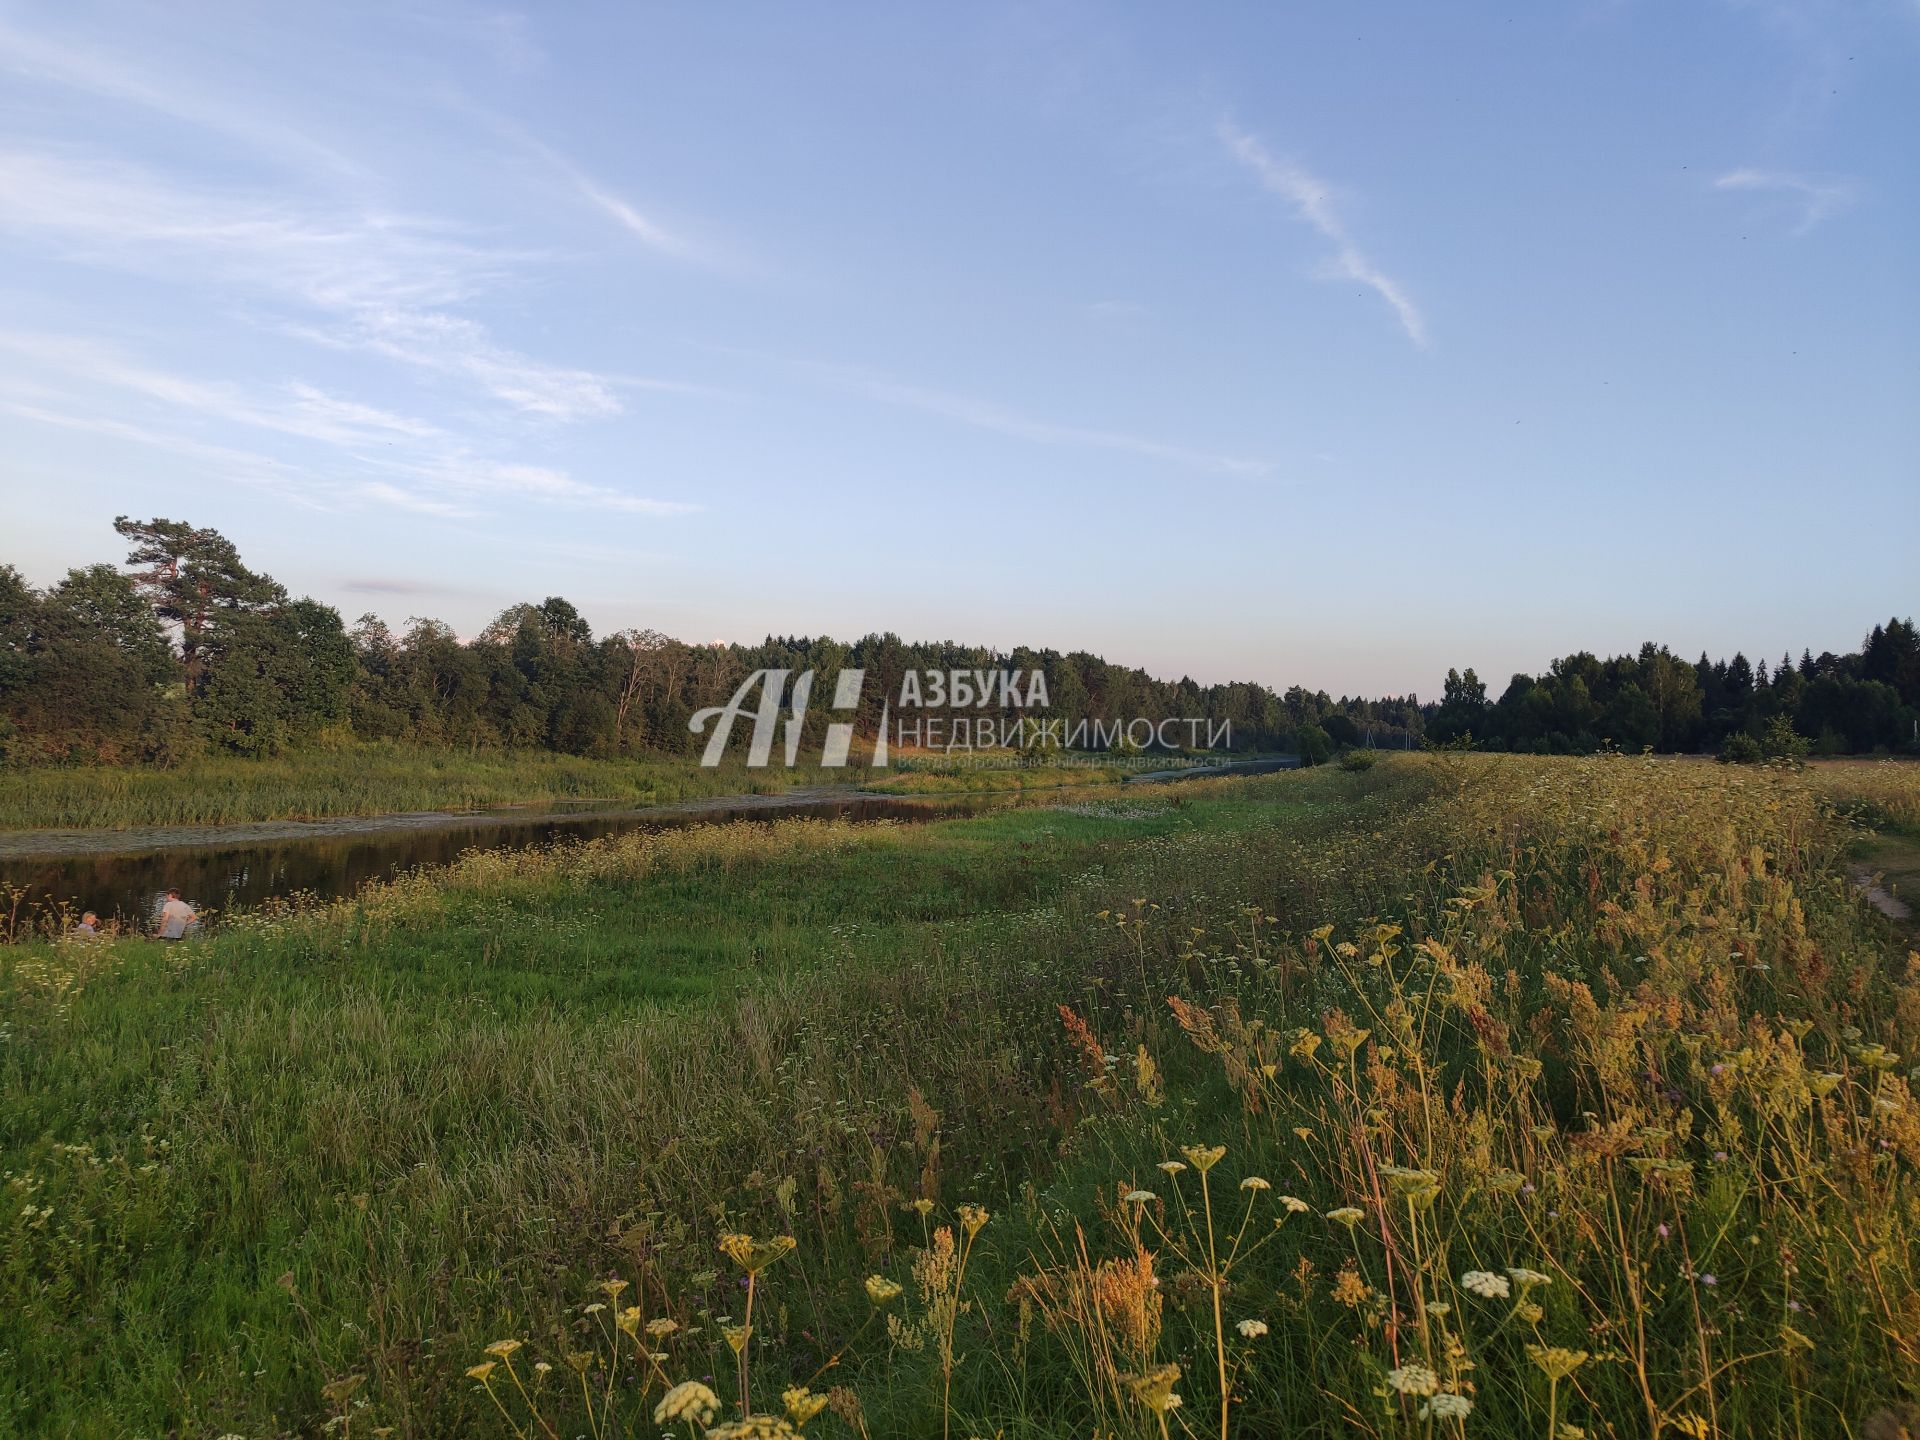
125	875
235	866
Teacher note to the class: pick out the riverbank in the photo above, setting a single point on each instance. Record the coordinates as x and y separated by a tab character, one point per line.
361	779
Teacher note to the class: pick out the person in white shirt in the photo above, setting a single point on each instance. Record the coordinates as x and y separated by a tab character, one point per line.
89	926
175	916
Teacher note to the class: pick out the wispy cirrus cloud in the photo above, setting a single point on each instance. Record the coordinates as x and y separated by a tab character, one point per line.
1312	199
1817	197
106	212
987	415
375	282
377	455
642	227
49	59
295	408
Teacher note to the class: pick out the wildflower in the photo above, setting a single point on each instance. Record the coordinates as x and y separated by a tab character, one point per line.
754	1427
579	1360
1254	1182
802	1404
1172	1167
973	1219
753	1255
1529	1312
1439	1307
1347	1215
737	1336
629	1321
1555	1362
1141	1197
1416	1187
690	1400
1709	1279
503	1349
1349	1289
922	1207
1527	1279
1413	1380
1155	1388
1486	1284
882	1291
1294	1205
1823	1083
662	1327
613	1288
1204	1157
1253	1329
1446	1406
481	1371
1691	1425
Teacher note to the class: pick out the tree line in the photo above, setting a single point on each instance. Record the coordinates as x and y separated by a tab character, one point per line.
184	649
1861	703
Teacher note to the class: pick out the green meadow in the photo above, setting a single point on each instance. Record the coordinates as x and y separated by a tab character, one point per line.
1462	1095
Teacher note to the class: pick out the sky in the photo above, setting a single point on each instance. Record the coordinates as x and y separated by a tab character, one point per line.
1275	342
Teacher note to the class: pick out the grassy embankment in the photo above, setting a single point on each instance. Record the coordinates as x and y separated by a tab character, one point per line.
1571	1090
386	778
1883	797
363	779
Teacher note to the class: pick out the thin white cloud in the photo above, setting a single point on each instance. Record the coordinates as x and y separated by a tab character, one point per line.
393	459
48	59
383	280
1312	197
985	415
1817	198
398	499
220	461
297	409
450	345
546	483
105	212
629	216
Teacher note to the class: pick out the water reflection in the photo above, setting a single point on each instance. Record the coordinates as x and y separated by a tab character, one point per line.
131	887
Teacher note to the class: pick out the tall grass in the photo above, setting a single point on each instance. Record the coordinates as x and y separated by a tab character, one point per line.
362	778
1471	1094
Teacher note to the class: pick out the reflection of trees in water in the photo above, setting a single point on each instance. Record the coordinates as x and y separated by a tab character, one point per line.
131	888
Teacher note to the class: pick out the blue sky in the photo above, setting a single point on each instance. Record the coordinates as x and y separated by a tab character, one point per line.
1270	342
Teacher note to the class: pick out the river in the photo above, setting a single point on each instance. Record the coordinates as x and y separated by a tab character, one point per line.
125	874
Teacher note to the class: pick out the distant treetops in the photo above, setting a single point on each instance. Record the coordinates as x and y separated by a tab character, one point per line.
186	649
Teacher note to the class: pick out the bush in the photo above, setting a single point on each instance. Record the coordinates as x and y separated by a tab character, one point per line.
1741	749
1783	742
1358	760
1314	744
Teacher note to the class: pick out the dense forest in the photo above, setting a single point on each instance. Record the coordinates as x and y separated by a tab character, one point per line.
186	649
